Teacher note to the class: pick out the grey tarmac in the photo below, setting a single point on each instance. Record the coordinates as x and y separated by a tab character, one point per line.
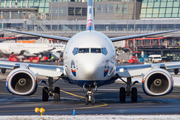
72	98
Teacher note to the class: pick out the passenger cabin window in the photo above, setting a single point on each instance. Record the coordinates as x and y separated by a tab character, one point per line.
83	50
95	50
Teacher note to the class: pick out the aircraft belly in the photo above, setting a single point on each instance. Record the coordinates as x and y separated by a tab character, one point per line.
92	82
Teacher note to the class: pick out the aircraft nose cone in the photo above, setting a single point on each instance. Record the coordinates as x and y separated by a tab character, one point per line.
90	69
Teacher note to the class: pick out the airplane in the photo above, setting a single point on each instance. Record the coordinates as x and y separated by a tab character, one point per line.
89	62
30	49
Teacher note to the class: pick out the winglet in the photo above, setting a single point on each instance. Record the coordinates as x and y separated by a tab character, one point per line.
90	16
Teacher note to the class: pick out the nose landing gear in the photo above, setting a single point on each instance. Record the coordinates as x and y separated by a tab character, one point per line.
89	97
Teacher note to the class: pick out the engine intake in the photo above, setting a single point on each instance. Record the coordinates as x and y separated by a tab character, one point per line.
21	82
157	82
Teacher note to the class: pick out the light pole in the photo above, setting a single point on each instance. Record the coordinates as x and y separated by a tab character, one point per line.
51	17
127	15
58	17
134	17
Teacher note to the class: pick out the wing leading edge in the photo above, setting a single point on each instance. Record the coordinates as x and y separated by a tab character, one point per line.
37	69
136	70
115	39
40	35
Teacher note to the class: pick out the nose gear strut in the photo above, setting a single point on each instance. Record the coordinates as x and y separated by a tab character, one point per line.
89	97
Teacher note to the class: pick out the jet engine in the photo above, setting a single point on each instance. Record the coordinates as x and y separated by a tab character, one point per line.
157	82
21	82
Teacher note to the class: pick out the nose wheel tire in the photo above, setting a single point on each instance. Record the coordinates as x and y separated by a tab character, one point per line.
122	94
56	94
92	100
86	99
45	94
134	94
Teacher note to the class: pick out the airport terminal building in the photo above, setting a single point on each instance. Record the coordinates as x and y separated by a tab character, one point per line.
112	17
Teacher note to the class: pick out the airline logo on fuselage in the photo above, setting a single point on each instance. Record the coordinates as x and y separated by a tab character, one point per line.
90	24
106	68
73	68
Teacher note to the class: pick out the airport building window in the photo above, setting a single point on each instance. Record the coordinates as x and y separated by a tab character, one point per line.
98	8
124	9
104	8
119	27
47	4
71	11
175	10
8	3
163	3
174	15
150	4
160	9
19	3
169	4
78	11
155	15
14	15
176	4
84	11
156	3
110	8
31	3
63	11
13	4
36	3
2	3
46	10
149	15
144	4
118	8
24	3
42	3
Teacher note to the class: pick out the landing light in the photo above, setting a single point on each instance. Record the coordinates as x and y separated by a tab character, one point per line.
121	70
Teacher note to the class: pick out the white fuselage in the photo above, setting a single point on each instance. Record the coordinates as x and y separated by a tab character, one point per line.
30	48
89	67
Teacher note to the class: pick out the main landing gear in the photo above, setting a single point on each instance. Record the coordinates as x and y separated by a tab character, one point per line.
49	91
128	92
89	97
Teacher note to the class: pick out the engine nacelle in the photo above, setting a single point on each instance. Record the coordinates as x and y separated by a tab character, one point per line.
21	82
157	82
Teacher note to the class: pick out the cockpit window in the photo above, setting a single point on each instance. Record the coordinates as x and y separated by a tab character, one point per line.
104	51
95	50
91	50
75	51
83	50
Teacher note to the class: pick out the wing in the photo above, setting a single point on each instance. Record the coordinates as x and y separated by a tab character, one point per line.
138	36
40	35
137	70
132	70
37	69
43	51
